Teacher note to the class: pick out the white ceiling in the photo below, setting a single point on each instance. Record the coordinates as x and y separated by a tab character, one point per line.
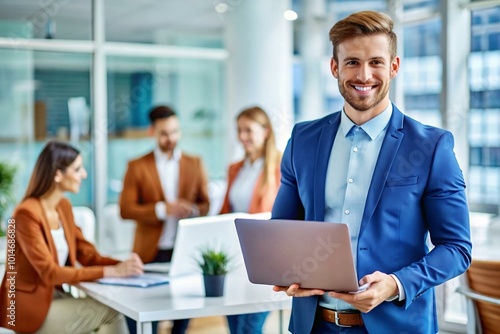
126	20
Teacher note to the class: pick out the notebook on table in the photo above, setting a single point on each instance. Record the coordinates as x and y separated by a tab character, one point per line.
315	255
141	281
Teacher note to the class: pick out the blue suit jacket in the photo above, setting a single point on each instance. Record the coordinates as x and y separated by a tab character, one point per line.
417	189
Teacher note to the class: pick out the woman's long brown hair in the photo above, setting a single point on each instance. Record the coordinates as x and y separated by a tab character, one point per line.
56	155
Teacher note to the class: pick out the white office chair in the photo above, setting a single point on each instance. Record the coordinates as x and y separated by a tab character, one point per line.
216	193
119	233
85	219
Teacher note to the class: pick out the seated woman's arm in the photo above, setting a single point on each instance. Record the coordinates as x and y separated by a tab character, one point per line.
30	237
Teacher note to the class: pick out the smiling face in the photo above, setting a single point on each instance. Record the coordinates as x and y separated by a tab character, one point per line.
364	70
252	136
71	179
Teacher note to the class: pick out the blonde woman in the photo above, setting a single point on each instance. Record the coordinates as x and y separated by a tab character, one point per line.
252	187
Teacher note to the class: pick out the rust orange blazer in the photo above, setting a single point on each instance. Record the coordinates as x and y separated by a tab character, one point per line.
142	189
29	292
262	197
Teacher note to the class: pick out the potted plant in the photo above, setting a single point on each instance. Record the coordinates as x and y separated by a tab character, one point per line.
214	265
206	118
7	173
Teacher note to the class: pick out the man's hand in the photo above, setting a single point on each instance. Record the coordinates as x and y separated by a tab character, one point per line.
180	209
294	290
381	287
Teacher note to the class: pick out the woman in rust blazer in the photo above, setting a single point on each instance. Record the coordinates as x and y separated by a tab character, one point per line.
44	246
252	187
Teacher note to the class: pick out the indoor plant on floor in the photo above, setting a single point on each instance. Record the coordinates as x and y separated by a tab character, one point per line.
214	265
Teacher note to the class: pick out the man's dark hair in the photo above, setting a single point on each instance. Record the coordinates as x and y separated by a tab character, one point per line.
160	112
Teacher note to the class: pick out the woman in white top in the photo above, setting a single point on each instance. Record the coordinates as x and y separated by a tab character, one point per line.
252	187
46	246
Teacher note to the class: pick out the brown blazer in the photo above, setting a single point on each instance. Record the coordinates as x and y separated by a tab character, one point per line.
142	190
37	267
262	197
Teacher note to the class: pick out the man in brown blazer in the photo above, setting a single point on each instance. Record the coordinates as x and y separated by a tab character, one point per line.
160	188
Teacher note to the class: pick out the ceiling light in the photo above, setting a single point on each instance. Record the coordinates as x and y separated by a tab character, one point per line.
221	7
290	15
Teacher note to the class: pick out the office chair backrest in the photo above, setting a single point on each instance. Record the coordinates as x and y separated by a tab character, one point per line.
85	219
118	236
484	278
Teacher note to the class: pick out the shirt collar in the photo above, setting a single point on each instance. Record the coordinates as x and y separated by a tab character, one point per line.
159	155
257	164
372	128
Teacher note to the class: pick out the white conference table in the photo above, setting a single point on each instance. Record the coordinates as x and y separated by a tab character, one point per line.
184	297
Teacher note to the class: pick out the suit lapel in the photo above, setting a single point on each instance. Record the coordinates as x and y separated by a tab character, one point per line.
183	177
47	232
388	152
153	172
323	151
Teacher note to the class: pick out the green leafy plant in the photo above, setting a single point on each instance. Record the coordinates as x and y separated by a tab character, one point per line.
7	174
204	114
213	261
205	117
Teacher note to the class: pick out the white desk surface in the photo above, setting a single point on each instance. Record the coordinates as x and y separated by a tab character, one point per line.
184	297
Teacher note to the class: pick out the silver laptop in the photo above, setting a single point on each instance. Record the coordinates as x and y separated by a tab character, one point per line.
312	254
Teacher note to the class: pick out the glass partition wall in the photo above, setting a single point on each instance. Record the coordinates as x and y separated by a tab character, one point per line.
37	91
50	79
192	87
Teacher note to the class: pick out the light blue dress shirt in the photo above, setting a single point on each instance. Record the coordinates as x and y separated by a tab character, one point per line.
348	177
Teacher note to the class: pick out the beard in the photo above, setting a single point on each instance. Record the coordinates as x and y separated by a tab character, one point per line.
167	148
363	102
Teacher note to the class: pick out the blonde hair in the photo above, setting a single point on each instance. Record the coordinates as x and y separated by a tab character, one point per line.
272	156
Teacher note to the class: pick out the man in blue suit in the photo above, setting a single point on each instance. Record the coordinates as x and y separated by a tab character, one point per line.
391	179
